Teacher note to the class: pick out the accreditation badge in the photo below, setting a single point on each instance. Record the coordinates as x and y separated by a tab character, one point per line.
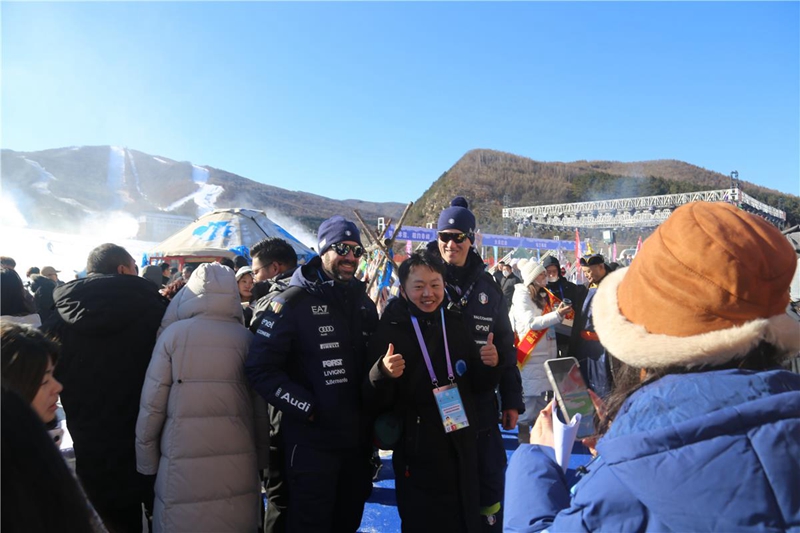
451	408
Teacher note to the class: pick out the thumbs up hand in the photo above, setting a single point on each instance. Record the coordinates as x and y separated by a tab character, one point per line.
393	363
489	355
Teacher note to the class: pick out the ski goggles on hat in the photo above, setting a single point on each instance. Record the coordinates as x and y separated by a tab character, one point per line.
458	237
344	249
592	259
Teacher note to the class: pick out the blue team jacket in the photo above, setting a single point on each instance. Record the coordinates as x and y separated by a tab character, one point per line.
308	357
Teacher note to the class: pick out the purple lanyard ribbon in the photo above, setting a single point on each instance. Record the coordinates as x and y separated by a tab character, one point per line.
427	357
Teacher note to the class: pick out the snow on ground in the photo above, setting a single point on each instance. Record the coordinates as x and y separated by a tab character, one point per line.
161	160
129	157
199	174
205	197
115	179
10	215
45	177
68	252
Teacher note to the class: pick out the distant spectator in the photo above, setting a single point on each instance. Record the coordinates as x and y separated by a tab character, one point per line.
52	273
42	289
172	288
228	262
8	262
164	273
152	273
272	256
564	289
13	307
534	313
240	261
507	284
244	279
107	326
31	271
186	272
498	272
585	344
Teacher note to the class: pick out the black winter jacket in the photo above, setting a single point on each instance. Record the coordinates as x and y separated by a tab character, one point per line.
42	289
436	472
107	326
308	358
507	285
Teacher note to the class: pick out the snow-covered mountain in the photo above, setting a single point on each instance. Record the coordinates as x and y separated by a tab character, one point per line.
64	189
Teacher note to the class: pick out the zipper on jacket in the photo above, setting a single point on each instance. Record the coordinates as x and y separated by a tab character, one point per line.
416	446
291	461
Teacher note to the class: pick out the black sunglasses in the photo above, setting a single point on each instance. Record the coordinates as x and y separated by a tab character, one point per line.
344	249
592	259
447	237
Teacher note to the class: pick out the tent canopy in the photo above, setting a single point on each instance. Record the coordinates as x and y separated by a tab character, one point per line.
223	231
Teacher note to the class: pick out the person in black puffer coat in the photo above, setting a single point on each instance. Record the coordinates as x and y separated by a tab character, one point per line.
42	289
561	289
473	292
436	471
107	324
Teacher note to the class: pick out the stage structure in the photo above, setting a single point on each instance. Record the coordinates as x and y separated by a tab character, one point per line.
641	212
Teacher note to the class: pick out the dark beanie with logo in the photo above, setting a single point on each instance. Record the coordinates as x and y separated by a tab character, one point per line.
458	217
336	229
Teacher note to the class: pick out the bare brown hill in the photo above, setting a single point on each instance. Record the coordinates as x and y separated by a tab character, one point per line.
491	180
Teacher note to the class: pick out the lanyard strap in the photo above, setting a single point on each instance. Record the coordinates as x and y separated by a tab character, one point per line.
462	302
427	357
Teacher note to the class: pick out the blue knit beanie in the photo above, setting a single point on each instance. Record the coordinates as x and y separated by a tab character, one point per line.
336	229
458	217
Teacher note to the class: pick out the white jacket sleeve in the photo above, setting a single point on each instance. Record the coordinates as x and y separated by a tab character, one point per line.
153	407
525	315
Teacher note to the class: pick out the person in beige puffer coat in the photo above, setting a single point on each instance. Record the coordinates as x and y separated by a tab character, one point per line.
195	426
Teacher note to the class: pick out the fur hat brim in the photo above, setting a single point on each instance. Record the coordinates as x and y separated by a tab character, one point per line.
633	344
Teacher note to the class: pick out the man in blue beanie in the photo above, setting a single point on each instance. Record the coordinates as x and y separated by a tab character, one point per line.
474	292
307	359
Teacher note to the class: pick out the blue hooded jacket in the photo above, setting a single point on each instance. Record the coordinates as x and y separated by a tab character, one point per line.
711	451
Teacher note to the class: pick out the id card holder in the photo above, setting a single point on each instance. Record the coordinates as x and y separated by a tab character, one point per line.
451	408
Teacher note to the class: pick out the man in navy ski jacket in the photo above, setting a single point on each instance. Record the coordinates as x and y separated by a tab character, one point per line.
308	359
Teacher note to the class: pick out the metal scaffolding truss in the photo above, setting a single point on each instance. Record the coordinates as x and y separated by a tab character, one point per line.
644	211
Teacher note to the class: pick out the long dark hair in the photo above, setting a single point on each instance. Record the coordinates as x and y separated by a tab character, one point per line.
172	288
12	294
538	295
25	352
628	379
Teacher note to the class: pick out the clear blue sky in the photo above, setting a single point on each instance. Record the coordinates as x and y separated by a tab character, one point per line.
376	100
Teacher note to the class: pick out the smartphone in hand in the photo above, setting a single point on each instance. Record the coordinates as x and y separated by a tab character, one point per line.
571	392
